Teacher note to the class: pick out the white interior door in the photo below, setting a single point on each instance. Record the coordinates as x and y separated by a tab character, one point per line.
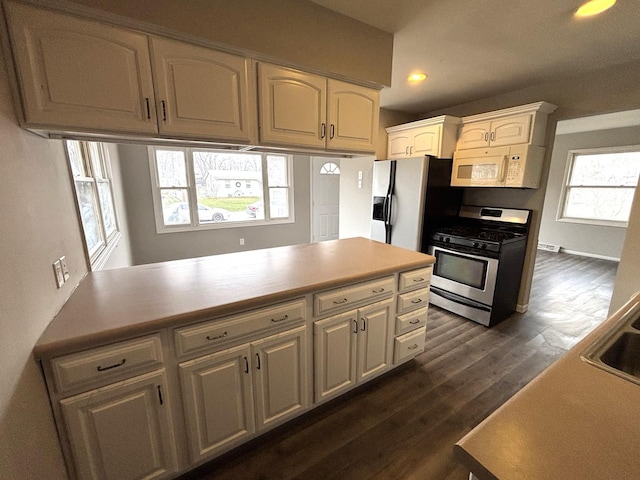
325	179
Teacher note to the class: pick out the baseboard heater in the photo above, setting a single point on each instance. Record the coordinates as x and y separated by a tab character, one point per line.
549	247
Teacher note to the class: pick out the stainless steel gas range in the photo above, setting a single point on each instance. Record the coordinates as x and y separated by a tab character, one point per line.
479	262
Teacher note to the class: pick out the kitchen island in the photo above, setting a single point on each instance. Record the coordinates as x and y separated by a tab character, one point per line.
574	421
155	369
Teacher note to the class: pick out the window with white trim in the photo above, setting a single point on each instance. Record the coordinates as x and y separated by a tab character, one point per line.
599	186
91	171
195	188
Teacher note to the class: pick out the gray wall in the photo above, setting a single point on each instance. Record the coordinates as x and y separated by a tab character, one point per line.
295	32
147	246
39	224
121	256
600	241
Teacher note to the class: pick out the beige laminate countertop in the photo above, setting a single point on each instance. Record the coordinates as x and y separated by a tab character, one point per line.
574	421
114	304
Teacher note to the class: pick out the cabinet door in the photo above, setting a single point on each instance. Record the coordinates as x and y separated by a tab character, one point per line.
511	130
218	400
398	144
374	337
292	107
122	431
353	114
474	135
81	74
335	354
201	92
280	376
426	141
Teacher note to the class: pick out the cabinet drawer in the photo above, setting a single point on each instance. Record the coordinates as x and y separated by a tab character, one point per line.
223	330
414	278
410	321
412	300
353	295
109	363
409	345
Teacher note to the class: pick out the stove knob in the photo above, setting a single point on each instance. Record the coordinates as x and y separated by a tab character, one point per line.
483	246
447	240
441	238
475	244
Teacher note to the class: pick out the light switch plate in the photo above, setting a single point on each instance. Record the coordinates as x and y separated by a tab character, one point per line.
57	270
65	270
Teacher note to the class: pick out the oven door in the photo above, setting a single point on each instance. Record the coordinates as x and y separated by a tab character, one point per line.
464	274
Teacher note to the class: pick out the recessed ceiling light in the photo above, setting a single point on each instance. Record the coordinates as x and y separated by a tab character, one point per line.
594	7
417	77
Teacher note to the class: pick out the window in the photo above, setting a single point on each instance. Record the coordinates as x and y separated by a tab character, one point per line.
91	170
329	168
599	186
203	189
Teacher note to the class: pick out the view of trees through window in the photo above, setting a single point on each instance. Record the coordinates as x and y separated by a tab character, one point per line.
224	186
600	187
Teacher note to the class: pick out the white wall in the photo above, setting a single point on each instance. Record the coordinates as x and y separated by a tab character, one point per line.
147	246
594	240
355	203
38	224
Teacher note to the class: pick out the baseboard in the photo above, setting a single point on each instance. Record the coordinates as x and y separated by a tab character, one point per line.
592	255
522	308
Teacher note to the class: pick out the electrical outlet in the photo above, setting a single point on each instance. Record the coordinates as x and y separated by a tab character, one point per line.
57	270
65	270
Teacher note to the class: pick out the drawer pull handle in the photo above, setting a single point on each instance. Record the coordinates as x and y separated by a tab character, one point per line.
379	290
417	300
364	324
414	322
413	347
258	355
102	369
419	279
246	365
355	326
275	320
338	302
218	337
146	101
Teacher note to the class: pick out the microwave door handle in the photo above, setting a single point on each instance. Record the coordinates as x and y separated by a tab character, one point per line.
503	168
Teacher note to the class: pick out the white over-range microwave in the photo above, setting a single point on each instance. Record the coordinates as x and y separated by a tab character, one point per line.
517	166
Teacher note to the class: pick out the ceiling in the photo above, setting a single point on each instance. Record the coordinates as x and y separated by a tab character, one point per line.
472	49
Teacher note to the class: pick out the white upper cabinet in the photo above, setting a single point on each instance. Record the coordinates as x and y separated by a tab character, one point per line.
201	92
433	136
293	107
510	126
353	116
496	133
80	73
297	108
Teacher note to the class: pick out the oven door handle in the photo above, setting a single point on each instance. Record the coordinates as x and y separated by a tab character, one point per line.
458	299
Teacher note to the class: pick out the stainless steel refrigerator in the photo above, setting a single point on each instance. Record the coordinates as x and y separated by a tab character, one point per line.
410	196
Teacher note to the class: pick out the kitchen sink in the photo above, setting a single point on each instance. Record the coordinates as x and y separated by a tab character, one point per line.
618	350
624	354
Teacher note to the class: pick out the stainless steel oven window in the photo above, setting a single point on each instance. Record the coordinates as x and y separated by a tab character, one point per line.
461	269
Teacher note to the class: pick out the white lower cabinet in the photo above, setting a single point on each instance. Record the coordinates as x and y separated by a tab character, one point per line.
218	400
232	394
351	347
122	431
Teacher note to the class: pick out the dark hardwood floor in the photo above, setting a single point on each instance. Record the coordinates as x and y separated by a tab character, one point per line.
404	425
